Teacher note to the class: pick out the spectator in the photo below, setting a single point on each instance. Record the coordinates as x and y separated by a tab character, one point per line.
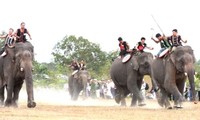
88	89
112	89
93	89
97	89
186	93
102	95
109	86
143	90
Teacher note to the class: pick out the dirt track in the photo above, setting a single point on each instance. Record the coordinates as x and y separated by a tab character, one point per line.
61	108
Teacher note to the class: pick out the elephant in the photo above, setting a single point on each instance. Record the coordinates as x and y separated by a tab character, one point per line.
171	72
77	83
15	68
128	77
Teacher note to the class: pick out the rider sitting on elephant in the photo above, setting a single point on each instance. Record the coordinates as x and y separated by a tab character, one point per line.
142	45
9	40
175	39
20	33
82	65
164	44
75	66
124	47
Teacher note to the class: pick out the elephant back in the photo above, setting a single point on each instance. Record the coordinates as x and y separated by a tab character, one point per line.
83	73
23	46
180	51
145	56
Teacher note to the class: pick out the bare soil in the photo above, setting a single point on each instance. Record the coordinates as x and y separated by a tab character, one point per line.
56	105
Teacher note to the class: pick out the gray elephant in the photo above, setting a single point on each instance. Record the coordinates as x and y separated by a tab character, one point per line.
171	73
77	83
16	67
128	77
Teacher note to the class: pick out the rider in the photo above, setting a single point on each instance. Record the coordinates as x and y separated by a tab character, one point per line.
82	65
75	66
9	39
175	39
20	33
141	45
124	47
164	44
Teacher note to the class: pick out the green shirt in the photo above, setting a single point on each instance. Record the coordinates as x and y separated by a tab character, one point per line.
164	43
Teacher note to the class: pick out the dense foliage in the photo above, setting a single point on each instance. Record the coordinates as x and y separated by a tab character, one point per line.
55	74
71	48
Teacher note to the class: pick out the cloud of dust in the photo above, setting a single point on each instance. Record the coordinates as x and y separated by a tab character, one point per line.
51	96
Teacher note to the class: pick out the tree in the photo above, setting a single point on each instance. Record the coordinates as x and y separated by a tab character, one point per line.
79	48
2	41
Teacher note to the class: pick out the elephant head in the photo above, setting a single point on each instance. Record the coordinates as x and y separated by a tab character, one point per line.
183	60
144	62
24	58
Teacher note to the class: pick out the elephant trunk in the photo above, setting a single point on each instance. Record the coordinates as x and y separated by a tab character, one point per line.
26	67
29	83
84	84
189	71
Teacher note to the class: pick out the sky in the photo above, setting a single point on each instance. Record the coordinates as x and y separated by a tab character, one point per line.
101	21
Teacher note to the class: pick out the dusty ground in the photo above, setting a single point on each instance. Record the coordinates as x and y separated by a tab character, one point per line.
55	105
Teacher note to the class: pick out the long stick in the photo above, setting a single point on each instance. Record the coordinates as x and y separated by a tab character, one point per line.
157	24
152	32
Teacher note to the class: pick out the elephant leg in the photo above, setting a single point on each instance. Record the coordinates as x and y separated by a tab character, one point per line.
134	100
16	91
84	92
162	99
2	97
139	83
29	89
123	101
166	100
172	88
125	92
9	87
75	94
180	85
118	94
133	87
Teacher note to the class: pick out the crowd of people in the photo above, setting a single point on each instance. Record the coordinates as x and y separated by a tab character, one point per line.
100	89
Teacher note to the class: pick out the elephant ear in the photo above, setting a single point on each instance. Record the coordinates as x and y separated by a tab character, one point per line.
173	57
134	63
176	62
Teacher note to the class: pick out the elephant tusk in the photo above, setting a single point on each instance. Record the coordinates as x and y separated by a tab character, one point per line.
186	74
21	69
